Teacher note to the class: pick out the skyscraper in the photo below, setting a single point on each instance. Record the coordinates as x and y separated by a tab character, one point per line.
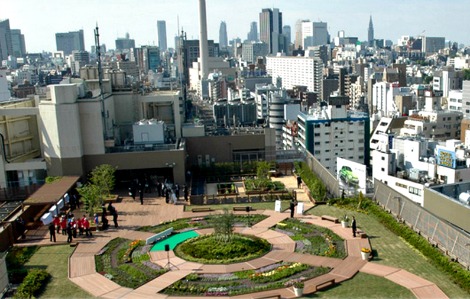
5	40
287	33
314	34
203	44
70	41
270	29
298	33
161	28
125	42
223	40
17	42
253	34
370	33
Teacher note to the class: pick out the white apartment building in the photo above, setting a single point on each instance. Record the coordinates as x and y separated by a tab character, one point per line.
454	100
305	71
383	97
433	122
331	131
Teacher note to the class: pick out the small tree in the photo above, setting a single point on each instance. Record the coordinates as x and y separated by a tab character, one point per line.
223	226
92	197
103	177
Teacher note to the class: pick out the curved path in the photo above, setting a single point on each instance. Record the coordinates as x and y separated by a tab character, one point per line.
82	265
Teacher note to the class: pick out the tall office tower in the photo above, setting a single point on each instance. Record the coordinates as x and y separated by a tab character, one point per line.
161	28
148	58
298	33
70	41
125	43
223	40
370	33
287	33
5	40
270	29
17	43
253	34
203	44
314	34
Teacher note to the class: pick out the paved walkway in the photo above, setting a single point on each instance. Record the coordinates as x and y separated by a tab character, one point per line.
132	215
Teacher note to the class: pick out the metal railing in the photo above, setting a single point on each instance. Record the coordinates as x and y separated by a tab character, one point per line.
450	239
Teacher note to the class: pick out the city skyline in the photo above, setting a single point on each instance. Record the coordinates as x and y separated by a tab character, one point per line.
433	17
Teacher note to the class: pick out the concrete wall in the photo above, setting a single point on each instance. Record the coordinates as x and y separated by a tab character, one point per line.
447	208
64	166
91	127
221	148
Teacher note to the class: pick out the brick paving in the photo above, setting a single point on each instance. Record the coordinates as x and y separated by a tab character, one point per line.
154	211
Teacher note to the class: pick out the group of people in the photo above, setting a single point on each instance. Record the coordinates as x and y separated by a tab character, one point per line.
165	189
68	225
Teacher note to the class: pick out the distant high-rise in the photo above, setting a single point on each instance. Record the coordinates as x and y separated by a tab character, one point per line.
203	44
314	34
253	34
161	28
370	33
18	43
298	33
5	40
70	41
287	33
270	29
123	43
223	40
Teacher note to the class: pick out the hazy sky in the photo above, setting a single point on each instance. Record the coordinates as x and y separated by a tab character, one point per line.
40	20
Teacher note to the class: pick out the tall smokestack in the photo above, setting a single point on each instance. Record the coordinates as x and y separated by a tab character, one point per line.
203	45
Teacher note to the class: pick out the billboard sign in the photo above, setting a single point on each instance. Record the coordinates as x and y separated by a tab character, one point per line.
446	158
351	176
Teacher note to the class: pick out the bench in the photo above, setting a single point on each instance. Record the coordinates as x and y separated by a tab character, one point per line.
195	210
243	209
330	218
327	283
156	237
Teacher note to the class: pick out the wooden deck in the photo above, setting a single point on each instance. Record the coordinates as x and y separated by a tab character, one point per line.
82	268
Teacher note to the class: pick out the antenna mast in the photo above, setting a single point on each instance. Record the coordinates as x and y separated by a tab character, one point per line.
100	82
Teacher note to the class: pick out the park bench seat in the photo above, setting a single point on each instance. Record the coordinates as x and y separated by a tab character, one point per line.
243	209
330	218
156	237
195	210
326	283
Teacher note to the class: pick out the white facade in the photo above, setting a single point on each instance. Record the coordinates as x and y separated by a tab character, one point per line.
383	97
314	34
454	100
305	71
4	91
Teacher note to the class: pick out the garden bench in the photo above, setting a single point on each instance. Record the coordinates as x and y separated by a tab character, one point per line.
202	210
327	283
156	237
243	209
330	218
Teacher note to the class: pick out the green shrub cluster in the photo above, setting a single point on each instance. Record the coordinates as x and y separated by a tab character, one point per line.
314	184
15	260
32	284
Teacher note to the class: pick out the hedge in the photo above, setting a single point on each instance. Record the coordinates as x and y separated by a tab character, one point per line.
314	184
32	284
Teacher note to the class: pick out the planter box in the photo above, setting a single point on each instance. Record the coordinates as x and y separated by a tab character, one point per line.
113	198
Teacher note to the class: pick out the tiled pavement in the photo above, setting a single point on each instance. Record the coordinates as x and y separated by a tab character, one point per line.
132	215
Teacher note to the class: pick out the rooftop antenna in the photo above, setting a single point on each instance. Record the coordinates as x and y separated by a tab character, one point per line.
100	80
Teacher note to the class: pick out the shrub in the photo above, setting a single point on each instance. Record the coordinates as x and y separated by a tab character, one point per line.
32	283
314	184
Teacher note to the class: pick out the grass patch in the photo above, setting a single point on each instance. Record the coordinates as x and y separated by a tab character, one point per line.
365	286
392	251
54	259
210	249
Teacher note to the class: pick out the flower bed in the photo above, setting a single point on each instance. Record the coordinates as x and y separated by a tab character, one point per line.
226	189
263	185
313	239
127	263
275	276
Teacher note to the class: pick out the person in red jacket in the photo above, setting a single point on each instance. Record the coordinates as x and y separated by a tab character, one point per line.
86	226
56	222
63	225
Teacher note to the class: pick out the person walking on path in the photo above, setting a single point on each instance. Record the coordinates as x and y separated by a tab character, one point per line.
353	225
112	210
292	207
299	181
186	192
52	231
141	196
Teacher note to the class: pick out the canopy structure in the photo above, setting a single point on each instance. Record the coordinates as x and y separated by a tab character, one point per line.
51	193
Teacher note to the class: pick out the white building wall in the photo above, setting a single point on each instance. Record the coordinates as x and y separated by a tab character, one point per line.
4	91
91	127
60	123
